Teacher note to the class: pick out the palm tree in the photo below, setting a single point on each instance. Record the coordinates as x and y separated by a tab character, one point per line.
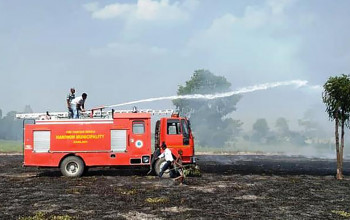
336	96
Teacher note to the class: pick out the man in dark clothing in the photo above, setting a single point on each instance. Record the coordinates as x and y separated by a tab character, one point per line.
69	99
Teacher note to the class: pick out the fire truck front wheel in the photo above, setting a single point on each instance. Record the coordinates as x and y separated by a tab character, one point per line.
159	165
72	166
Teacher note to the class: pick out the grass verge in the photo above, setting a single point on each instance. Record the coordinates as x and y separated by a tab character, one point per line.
10	146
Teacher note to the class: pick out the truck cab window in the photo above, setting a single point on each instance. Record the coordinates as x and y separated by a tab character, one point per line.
173	127
138	127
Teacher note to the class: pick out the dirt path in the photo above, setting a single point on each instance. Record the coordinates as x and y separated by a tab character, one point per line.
232	187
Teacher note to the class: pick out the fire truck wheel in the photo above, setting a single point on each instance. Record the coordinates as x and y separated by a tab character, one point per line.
158	166
72	166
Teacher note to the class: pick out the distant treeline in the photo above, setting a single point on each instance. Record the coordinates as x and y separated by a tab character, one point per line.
261	132
10	127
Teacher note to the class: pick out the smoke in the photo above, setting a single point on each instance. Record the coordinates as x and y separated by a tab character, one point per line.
298	83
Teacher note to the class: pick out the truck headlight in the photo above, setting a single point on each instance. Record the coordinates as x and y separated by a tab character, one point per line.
193	159
145	159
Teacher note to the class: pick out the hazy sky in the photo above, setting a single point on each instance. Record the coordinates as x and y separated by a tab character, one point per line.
119	51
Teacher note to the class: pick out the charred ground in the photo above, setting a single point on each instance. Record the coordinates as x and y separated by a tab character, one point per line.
264	187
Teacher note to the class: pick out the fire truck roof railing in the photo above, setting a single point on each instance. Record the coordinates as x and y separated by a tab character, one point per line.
88	114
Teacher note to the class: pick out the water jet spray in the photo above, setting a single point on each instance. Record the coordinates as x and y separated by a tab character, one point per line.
249	89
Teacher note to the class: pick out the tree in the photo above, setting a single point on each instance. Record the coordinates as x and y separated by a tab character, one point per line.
27	109
282	126
260	130
284	134
282	130
1	126
311	128
209	117
336	96
11	128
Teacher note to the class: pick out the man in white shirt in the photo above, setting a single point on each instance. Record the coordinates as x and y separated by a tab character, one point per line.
77	105
168	157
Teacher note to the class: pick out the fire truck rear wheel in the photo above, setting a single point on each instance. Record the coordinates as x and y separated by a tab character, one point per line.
158	166
72	166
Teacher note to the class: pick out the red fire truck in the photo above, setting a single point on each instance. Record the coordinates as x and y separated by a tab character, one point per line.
114	139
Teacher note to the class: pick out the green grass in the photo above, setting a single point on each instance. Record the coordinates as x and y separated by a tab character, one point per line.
10	146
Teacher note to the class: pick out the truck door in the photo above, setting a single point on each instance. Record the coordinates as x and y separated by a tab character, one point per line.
138	136
174	134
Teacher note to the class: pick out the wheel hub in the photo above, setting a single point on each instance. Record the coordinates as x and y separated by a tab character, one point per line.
72	167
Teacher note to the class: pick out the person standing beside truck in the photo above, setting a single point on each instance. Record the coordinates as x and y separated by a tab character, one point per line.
78	105
69	100
168	158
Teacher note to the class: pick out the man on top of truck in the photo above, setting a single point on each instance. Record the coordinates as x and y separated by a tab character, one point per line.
69	99
78	105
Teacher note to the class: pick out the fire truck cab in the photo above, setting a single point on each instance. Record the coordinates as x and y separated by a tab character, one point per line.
123	139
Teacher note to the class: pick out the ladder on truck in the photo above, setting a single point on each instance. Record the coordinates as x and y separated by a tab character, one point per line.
94	113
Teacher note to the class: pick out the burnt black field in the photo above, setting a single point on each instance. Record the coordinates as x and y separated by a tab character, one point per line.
231	187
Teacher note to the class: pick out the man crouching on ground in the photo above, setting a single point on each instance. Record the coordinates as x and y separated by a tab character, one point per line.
168	157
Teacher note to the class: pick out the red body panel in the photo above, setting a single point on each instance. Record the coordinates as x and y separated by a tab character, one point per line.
91	139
